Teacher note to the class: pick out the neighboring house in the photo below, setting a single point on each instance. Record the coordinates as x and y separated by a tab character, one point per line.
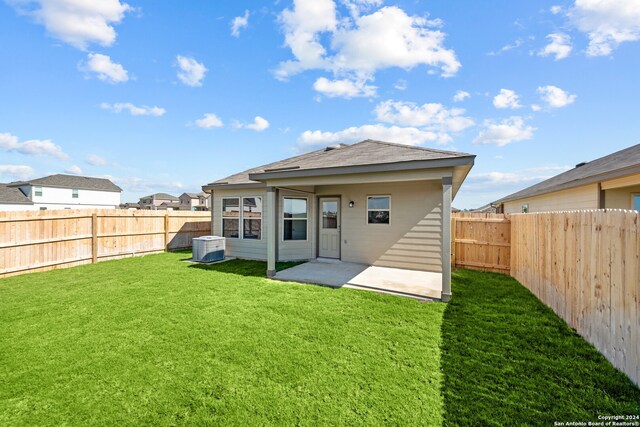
70	192
130	206
194	202
156	200
372	202
488	208
610	182
12	199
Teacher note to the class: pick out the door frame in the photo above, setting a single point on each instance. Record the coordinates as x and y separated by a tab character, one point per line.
319	223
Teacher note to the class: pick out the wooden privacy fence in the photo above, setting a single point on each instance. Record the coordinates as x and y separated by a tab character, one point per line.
45	240
481	241
586	267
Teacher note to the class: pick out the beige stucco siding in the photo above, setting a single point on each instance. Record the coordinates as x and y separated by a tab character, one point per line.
620	198
412	239
578	198
241	248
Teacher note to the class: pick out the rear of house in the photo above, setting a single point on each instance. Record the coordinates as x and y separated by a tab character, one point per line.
610	182
373	203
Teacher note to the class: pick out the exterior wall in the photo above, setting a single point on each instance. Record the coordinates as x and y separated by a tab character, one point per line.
413	238
295	250
620	198
61	198
236	247
579	198
17	207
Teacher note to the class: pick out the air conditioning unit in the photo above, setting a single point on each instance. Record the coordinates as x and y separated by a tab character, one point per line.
208	249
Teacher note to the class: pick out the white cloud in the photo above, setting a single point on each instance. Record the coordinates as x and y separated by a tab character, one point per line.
555	9
107	70
559	46
504	132
607	23
460	96
33	147
356	7
433	116
401	41
259	124
555	97
238	23
400	135
95	160
401	84
506	48
536	107
134	110
76	22
74	170
209	121
17	172
191	71
343	88
506	99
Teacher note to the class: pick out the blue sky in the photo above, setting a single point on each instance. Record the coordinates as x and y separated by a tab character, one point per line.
169	95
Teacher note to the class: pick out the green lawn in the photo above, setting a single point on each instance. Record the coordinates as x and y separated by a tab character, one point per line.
157	341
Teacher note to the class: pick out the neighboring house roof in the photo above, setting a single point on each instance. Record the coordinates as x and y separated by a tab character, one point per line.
190	195
343	158
615	165
71	181
161	196
13	195
170	204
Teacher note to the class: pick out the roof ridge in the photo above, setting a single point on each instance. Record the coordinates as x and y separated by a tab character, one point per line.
415	147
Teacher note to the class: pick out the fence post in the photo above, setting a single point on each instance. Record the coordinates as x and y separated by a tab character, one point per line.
94	238
166	231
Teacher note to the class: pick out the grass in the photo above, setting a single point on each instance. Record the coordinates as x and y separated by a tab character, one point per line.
508	359
156	341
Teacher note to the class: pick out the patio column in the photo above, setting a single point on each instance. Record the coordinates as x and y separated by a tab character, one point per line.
446	238
271	234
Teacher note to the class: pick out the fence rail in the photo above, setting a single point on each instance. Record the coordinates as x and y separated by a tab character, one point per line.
44	240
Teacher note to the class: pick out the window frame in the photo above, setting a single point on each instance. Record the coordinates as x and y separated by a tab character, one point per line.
240	218
525	208
75	193
633	199
367	210
260	219
306	218
37	190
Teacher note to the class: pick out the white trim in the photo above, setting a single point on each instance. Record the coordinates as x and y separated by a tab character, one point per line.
240	217
633	196
366	208
241	235
293	219
222	217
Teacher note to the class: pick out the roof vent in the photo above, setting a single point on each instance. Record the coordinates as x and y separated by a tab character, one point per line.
581	164
334	147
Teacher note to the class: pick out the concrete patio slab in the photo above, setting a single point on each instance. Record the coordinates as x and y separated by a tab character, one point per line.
337	274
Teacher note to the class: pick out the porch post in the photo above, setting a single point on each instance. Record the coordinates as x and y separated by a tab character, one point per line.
446	238
271	234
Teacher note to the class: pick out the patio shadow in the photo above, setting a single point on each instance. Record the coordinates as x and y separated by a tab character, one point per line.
507	359
243	267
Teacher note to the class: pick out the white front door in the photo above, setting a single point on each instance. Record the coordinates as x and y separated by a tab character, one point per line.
329	224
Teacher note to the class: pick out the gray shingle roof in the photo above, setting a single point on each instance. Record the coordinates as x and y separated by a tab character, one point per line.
620	163
191	195
161	196
72	181
363	153
12	195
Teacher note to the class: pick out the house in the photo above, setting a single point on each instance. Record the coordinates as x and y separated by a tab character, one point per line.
130	206
373	202
194	202
12	199
155	201
610	182
69	192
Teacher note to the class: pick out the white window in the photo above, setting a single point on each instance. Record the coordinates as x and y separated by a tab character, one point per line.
74	193
245	223
37	191
252	218
525	208
294	219
378	209
231	217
